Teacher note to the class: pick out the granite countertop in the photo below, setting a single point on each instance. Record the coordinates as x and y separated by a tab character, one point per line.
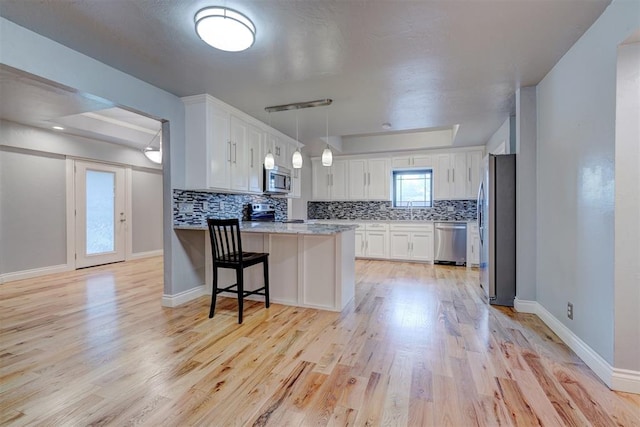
387	221
280	228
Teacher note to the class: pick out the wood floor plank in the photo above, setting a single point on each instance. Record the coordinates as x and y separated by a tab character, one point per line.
418	346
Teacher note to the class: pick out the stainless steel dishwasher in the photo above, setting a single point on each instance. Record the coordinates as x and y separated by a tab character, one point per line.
451	242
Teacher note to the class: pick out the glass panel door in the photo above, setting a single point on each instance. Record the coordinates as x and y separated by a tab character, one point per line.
100	214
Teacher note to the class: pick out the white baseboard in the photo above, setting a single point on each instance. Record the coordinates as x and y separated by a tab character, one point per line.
616	379
35	272
148	254
626	380
183	297
524	306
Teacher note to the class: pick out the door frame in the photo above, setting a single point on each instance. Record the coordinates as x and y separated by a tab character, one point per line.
71	207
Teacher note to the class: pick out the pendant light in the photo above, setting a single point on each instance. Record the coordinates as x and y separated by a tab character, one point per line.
269	160
225	29
327	155
296	159
154	154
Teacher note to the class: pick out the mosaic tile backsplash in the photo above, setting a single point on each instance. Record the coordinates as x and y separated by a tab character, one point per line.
234	206
442	210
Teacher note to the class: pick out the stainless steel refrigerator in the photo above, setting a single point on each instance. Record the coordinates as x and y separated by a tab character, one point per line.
497	226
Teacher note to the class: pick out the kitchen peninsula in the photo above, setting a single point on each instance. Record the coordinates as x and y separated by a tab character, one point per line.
310	265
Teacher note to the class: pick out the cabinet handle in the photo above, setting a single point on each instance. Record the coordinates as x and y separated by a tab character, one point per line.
472	250
251	157
469	174
453	175
235	152
369	178
447	175
229	159
364	177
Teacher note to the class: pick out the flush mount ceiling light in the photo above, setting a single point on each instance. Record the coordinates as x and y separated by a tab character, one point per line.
225	29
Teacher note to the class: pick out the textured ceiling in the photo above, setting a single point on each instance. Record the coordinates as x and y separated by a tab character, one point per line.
415	64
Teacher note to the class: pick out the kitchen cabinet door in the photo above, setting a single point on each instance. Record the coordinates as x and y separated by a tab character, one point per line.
320	180
458	167
378	177
376	245
474	173
220	148
296	184
255	138
473	244
399	245
422	246
442	177
360	241
357	179
339	180
239	166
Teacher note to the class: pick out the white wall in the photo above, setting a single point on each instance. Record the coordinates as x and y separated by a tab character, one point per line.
576	140
627	215
526	198
35	54
146	210
501	136
33	210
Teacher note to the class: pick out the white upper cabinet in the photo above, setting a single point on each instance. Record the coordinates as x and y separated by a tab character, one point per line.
225	148
369	179
412	161
255	138
329	183
457	175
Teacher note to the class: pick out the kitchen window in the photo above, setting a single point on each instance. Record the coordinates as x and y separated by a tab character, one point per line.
413	188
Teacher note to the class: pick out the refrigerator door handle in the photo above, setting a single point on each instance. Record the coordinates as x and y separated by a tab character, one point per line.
479	213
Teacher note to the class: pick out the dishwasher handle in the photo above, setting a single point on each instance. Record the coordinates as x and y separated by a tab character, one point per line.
450	227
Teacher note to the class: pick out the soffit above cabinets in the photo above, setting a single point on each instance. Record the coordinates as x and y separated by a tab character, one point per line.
32	101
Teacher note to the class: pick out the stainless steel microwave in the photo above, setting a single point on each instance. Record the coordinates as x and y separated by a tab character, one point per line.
277	180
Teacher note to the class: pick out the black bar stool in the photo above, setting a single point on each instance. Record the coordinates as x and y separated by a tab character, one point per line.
226	251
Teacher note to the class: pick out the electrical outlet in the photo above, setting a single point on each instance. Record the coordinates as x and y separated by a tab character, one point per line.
222	206
450	209
205	206
570	310
185	207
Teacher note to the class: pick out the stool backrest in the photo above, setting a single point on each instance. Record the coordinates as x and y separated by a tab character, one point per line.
226	245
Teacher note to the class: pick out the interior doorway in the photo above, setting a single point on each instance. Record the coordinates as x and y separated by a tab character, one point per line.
100	216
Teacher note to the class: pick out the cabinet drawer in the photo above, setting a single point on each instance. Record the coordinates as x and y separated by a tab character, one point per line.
412	227
378	226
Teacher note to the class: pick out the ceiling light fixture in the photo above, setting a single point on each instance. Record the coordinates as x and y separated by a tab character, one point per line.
296	159
225	29
299	105
327	155
57	128
154	154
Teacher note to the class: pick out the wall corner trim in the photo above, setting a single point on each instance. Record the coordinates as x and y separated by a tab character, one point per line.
616	379
183	297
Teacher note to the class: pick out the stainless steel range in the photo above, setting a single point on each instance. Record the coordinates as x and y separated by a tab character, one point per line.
262	212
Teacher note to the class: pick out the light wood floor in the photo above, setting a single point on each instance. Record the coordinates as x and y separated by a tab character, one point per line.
417	347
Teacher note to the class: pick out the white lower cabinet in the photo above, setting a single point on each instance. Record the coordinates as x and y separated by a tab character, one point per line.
473	244
372	240
411	242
